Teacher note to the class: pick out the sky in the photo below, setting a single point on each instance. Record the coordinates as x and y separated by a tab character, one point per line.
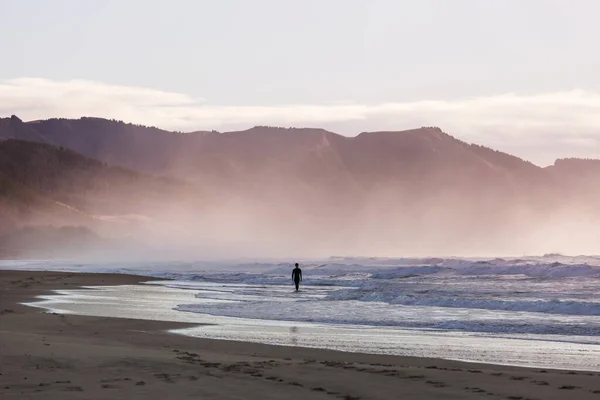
521	76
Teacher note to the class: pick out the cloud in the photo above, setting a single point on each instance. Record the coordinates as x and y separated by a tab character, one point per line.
538	127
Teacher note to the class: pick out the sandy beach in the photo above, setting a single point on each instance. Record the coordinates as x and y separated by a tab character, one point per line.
56	356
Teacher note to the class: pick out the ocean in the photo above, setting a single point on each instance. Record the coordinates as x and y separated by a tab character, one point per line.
528	311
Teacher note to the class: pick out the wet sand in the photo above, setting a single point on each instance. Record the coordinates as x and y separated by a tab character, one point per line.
52	356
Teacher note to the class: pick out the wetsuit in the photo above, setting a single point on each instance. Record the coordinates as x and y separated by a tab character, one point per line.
297	277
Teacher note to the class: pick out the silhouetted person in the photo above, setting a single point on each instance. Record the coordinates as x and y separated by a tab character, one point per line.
297	276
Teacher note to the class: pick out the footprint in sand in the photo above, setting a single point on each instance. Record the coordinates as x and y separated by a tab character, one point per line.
164	377
73	389
114	380
474	389
387	372
436	384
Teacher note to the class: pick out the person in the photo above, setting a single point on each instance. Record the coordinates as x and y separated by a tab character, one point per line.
297	276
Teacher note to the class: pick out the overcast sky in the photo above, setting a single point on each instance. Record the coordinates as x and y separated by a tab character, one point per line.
522	76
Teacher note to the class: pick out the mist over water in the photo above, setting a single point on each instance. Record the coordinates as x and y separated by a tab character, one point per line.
296	220
277	230
267	232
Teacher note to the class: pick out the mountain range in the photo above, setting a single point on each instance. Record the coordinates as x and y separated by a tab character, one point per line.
299	190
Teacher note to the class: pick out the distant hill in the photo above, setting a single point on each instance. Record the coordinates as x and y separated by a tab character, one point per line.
82	183
217	157
263	160
419	191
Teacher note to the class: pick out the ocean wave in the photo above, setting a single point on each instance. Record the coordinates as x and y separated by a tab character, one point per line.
450	267
552	306
336	275
550	265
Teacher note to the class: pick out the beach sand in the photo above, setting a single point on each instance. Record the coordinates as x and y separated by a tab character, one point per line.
52	356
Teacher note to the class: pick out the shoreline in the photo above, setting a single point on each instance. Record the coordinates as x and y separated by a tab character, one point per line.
329	336
105	356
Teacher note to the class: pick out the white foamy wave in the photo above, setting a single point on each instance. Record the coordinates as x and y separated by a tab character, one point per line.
551	265
554	306
556	269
